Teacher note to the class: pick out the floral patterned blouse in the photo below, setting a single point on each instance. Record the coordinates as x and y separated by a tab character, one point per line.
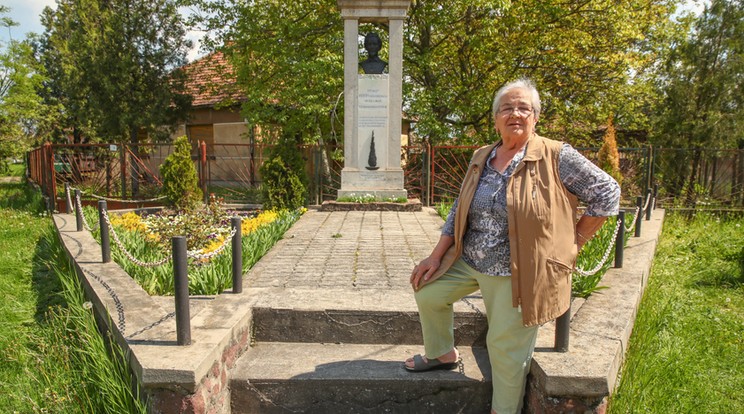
486	241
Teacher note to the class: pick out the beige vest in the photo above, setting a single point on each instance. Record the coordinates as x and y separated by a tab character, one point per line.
542	230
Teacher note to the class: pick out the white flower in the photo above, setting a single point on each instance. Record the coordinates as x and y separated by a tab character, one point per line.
87	305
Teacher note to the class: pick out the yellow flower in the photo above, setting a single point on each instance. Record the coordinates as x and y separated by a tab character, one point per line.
128	221
250	225
213	245
153	237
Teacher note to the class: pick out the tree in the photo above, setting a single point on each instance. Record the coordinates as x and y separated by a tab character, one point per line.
580	54
456	55
23	116
288	59
702	87
702	82
111	65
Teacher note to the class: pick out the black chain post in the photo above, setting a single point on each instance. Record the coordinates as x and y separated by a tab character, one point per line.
181	277
620	240
237	255
562	325
78	211
648	206
105	241
639	204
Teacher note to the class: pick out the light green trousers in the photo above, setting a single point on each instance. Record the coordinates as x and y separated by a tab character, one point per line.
510	343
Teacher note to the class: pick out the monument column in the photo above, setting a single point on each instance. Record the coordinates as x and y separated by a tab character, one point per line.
373	101
396	90
351	71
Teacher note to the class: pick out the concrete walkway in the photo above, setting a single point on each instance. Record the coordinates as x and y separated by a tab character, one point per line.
342	278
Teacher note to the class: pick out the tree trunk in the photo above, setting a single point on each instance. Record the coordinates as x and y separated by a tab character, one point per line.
691	197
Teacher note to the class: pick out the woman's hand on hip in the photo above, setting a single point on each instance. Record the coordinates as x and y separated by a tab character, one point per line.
424	271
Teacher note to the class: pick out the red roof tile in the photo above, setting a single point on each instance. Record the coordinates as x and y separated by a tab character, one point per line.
211	80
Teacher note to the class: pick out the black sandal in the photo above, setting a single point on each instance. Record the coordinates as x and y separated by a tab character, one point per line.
421	365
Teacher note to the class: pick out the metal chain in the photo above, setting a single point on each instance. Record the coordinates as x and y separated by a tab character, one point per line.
604	258
635	217
119	200
67	193
117	302
648	201
82	214
126	252
152	325
195	255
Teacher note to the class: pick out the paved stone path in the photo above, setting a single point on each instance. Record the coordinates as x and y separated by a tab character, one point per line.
351	250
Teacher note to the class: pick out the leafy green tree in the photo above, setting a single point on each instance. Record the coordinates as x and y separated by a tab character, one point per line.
287	56
456	55
701	84
24	119
112	63
580	54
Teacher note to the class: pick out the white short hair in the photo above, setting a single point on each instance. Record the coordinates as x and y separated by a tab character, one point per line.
522	83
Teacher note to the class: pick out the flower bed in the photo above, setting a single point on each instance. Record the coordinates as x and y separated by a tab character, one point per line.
147	238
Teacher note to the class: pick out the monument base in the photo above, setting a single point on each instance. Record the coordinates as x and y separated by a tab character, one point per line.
379	183
410	205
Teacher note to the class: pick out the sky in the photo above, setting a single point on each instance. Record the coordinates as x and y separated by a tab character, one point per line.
26	13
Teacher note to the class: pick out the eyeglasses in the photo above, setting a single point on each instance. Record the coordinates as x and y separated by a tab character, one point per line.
521	111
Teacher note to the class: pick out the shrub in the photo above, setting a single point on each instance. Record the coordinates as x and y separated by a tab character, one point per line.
609	158
180	182
285	181
282	188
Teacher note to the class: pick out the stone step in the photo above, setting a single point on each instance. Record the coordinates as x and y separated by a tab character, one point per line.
357	326
273	378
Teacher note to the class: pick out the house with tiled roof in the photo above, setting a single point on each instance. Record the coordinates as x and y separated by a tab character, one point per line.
215	115
215	120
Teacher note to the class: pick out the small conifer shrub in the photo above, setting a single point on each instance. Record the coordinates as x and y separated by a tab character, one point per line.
609	157
180	181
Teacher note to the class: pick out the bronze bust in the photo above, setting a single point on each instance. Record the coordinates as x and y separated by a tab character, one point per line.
373	64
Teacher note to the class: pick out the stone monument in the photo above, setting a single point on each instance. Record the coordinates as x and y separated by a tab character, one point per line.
373	101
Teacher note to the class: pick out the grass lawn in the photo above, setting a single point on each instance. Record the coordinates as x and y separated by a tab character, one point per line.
686	354
52	358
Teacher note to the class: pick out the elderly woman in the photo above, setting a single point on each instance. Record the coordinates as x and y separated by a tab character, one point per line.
513	234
